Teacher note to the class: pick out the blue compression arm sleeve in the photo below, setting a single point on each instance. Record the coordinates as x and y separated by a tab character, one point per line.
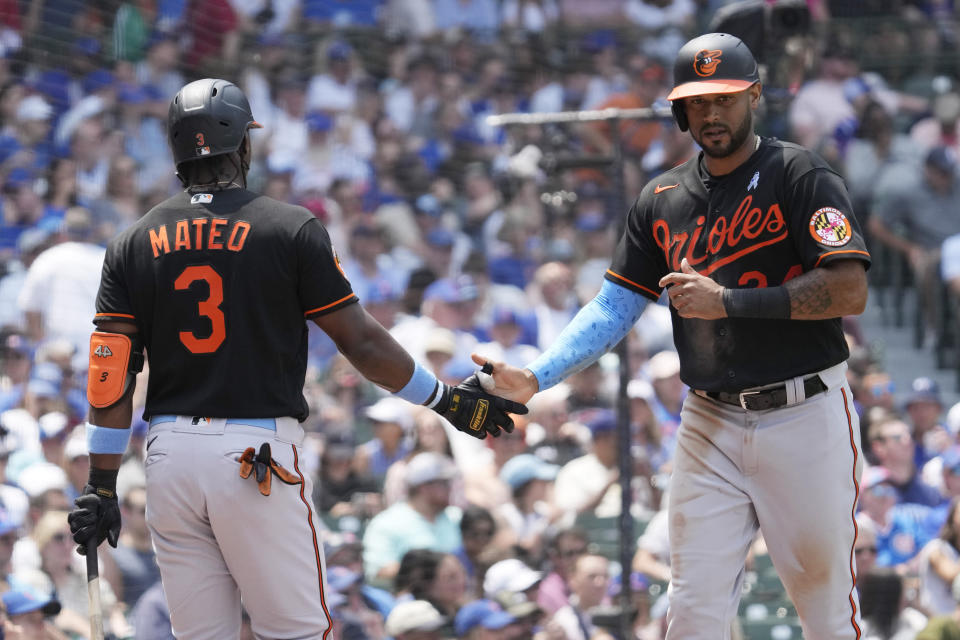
597	327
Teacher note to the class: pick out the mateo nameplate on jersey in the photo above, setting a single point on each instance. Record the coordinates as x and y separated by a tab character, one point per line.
206	234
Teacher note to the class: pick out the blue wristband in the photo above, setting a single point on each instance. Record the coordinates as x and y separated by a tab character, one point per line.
420	386
107	439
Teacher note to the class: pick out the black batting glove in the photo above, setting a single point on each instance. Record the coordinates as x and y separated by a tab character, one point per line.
97	512
474	411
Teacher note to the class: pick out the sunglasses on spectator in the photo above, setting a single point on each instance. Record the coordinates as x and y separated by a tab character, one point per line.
572	553
865	550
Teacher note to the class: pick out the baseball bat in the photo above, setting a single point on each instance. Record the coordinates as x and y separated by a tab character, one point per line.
93	591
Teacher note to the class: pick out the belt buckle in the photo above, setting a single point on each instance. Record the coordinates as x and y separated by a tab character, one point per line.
743	398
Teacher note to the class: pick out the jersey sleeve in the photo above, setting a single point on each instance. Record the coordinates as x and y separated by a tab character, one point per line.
638	264
323	287
113	298
823	225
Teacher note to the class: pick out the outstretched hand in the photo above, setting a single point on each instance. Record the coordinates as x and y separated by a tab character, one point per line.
506	381
473	410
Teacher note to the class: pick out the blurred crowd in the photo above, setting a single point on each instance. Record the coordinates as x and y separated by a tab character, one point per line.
458	236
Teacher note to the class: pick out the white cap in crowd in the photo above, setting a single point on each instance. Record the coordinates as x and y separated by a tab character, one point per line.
428	467
510	575
413	615
391	409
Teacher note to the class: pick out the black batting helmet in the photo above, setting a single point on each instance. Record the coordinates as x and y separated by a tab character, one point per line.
208	118
711	63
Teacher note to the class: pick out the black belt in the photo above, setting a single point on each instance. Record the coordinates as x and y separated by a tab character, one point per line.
766	398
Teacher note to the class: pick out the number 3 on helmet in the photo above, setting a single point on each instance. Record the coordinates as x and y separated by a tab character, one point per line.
115	360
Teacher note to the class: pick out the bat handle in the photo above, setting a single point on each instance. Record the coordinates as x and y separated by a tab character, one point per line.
93	591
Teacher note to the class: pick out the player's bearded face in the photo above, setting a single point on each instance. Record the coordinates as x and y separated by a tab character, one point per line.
723	135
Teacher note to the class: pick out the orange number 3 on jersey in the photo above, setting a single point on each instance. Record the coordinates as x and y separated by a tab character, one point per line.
209	308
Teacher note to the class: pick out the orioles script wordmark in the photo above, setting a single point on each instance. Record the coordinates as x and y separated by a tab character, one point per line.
749	226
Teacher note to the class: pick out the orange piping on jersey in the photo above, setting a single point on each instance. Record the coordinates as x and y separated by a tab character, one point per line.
853	515
332	304
833	253
628	281
316	547
115	315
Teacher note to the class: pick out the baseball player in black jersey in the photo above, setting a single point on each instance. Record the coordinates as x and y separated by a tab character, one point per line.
757	246
216	283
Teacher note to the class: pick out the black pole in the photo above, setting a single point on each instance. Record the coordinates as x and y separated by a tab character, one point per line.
624	440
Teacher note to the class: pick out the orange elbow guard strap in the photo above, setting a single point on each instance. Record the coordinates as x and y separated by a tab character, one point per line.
115	359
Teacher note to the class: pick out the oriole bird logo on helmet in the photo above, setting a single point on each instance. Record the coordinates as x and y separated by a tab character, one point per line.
706	61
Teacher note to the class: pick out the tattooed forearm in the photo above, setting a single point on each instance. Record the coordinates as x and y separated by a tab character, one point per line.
839	289
809	295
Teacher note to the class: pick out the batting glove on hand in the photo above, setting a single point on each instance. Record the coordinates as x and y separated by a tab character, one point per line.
97	512
474	411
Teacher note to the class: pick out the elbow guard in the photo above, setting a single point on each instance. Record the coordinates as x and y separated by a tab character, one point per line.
115	361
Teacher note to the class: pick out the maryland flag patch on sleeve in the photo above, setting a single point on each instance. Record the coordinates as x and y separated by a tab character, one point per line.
830	227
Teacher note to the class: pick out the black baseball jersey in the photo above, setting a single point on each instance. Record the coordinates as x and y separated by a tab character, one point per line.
220	286
781	213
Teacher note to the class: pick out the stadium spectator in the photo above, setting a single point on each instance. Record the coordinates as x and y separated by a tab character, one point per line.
30	613
901	529
424	520
590	484
134	557
392	424
525	522
563	549
552	436
429	433
909	217
884	609
939	565
588	583
415	620
893	447
481	619
652	557
477	529
340	490
59	291
820	104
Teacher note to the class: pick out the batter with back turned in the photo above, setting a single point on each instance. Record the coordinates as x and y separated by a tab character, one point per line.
216	283
755	241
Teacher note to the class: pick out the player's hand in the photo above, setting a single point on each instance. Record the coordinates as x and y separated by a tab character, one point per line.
96	515
694	295
508	382
474	411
